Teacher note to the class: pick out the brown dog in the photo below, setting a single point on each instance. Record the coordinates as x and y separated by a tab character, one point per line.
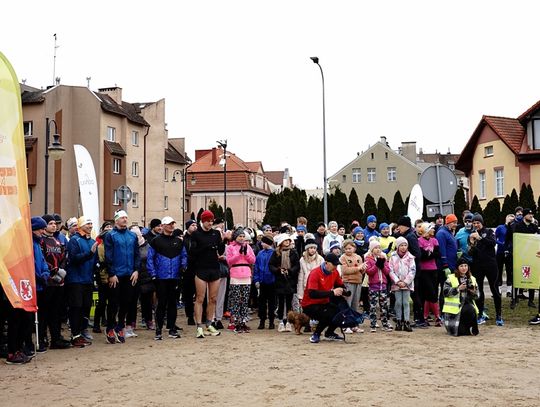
299	320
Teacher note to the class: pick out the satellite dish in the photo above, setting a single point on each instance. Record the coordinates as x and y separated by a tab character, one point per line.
439	183
416	203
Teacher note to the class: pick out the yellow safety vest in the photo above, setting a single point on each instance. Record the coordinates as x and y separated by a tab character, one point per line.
452	304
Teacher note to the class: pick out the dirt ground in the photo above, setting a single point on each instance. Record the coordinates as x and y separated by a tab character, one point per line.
424	368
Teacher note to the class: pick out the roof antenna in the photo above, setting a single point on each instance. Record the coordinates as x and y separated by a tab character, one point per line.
88	78
54	59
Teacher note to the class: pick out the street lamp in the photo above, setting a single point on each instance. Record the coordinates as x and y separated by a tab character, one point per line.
223	161
54	150
325	198
183	174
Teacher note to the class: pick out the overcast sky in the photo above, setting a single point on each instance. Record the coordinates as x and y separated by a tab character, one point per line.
423	71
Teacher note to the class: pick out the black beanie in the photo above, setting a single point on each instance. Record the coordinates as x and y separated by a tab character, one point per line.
478	218
48	218
404	221
267	240
154	223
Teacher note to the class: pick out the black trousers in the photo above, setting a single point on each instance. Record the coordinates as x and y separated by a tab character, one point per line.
188	292
101	306
267	302
147	300
418	306
79	301
324	313
49	307
119	302
166	301
490	272
19	328
467	320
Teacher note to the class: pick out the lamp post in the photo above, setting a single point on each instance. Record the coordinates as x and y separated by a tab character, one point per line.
55	150
325	198
223	144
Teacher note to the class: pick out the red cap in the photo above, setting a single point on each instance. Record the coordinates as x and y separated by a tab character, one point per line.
207	216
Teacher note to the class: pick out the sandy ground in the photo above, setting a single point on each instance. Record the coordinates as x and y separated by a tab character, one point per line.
498	368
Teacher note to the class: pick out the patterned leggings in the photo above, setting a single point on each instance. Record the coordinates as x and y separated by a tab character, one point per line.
381	298
239	302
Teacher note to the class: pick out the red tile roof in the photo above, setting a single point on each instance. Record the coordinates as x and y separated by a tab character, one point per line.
529	112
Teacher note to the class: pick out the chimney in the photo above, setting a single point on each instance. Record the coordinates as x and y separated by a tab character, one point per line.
214	156
383	140
114	92
408	150
286	178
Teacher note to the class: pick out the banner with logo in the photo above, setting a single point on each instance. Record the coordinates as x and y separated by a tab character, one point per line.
87	186
526	261
16	253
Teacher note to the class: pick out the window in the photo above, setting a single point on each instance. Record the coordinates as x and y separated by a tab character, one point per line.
392	174
28	128
29	194
482	184
356	175
372	156
116	201
117	164
111	134
165	202
135	138
488	151
499	182
135	168
386	155
166	174
536	135
135	199
371	175
344	178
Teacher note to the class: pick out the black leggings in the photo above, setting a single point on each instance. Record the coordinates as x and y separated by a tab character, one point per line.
188	292
429	285
166	300
267	302
284	305
119	302
490	271
99	312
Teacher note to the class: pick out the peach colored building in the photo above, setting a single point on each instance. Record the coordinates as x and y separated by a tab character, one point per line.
502	154
127	143
247	185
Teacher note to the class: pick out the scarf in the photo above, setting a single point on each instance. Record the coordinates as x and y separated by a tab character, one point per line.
285	260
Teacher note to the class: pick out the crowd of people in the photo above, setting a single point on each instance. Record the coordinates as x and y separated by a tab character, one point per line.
221	276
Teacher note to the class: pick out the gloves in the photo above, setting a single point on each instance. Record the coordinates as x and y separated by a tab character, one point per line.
62	273
379	262
243	249
447	271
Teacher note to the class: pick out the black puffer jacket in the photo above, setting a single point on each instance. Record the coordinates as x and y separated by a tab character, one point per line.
285	283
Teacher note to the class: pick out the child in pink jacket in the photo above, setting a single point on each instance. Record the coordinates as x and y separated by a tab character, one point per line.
402	272
240	258
377	270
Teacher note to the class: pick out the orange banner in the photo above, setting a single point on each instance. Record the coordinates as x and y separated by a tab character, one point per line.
16	254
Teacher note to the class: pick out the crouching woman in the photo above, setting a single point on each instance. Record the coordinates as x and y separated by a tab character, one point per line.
460	311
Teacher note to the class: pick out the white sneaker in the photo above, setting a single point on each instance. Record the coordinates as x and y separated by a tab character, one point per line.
348	331
128	333
288	327
281	327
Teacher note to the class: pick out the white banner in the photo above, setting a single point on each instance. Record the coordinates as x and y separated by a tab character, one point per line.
87	186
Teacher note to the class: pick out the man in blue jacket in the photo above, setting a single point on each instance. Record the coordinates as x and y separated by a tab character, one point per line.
79	279
167	258
122	260
264	281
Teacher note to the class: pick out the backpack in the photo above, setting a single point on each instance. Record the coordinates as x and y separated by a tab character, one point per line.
347	317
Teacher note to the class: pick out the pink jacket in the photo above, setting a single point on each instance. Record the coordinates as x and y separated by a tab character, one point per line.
239	264
402	269
428	245
378	278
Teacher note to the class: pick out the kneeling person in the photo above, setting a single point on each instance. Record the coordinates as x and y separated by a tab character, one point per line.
324	290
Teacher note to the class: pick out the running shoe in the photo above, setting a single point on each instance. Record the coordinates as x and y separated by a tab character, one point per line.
438	322
212	331
173	333
158	336
218	324
373	329
17	358
86	335
120	335
499	321
388	328
281	327
535	320
288	327
129	333
481	320
200	333
315	338
111	337
79	342
348	331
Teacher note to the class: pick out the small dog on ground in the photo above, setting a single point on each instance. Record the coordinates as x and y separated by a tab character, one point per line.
299	320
